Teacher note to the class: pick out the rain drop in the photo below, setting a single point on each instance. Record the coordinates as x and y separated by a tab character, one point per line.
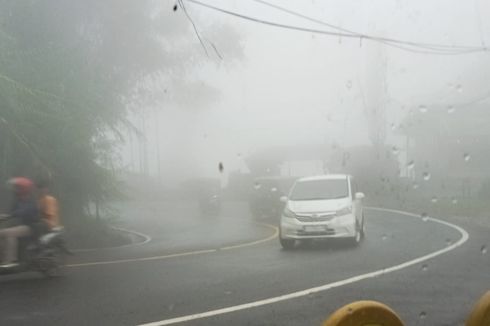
483	249
425	267
348	84
426	176
273	189
423	109
257	185
221	168
422	315
459	88
450	109
424	217
239	155
393	126
454	201
466	157
395	150
411	164
415	186
349	310
434	199
384	237
449	242
175	7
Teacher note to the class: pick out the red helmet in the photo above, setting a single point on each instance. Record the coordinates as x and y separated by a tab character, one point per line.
23	186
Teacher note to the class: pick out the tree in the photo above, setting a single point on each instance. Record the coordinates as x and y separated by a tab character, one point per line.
69	72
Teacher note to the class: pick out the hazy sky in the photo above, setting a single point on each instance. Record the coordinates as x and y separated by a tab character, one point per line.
295	88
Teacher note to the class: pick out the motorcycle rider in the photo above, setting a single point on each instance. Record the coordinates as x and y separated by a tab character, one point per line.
24	208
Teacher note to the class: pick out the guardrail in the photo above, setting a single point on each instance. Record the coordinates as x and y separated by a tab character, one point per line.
373	313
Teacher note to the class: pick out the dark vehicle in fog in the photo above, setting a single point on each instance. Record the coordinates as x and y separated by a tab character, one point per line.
266	193
207	192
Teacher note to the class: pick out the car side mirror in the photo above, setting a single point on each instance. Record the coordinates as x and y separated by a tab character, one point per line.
284	199
359	195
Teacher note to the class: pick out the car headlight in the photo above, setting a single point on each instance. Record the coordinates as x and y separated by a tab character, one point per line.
288	213
344	211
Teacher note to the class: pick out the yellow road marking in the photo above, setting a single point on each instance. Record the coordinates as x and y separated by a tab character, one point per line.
183	254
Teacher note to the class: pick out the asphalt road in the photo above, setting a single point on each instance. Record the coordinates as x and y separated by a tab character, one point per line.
196	264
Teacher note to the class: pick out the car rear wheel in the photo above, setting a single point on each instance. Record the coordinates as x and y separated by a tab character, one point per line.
287	244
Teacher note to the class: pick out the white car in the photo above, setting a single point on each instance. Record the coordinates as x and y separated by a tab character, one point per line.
320	207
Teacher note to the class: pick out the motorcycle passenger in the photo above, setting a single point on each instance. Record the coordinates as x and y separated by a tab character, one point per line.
25	210
48	206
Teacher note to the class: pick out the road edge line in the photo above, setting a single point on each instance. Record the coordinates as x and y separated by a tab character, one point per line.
328	286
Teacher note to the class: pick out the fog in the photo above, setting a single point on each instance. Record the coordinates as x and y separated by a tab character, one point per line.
281	88
227	162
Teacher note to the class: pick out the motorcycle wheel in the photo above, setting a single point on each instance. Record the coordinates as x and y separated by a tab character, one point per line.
52	265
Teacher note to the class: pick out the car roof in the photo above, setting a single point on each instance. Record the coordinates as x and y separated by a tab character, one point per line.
324	177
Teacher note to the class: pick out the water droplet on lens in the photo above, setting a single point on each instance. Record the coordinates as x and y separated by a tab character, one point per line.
423	109
426	176
466	157
424	217
422	315
434	199
450	109
425	267
483	250
348	84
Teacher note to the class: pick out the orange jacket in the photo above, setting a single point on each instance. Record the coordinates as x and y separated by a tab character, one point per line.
48	209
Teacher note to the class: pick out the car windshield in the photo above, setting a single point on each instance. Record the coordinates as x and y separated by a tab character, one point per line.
320	189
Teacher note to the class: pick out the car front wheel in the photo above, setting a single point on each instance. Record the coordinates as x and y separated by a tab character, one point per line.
356	239
287	244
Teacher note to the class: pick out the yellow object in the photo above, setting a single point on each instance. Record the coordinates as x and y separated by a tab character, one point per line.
48	208
480	316
364	313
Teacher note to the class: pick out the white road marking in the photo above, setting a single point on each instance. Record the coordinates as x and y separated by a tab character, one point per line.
303	293
182	254
146	238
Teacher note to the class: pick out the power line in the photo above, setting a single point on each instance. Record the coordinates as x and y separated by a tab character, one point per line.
372	37
427	48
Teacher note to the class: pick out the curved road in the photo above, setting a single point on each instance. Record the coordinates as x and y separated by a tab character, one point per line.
229	260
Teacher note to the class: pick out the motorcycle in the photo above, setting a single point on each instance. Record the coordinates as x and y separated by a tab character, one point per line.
44	254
